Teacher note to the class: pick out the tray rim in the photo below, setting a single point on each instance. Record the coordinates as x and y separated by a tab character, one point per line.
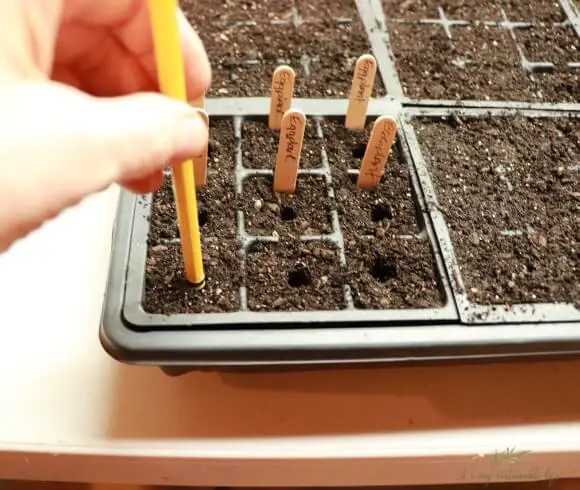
331	345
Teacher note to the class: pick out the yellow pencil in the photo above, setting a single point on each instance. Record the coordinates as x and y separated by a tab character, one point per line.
172	82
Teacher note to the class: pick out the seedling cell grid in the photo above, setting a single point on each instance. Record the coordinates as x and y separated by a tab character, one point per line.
330	275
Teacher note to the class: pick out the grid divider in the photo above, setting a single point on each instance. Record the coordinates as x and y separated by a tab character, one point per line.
387	67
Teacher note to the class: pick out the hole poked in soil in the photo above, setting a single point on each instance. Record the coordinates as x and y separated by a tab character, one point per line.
287	213
202	217
299	276
381	211
536	261
304	212
392	273
359	150
294	276
383	269
210	149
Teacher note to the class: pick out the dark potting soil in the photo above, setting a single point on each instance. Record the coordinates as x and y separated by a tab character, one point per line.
555	44
293	275
275	273
386	209
332	50
330	9
453	9
388	264
533	11
482	62
216	200
260	145
560	46
204	14
392	272
166	289
305	212
508	188
168	292
245	45
476	10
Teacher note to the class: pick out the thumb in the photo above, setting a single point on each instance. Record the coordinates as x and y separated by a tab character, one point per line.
141	134
145	132
59	145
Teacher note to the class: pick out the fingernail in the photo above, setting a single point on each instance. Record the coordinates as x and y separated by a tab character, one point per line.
193	136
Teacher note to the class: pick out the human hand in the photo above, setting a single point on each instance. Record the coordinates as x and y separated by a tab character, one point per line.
78	110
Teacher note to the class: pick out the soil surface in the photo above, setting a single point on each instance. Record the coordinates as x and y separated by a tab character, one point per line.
535	11
482	62
476	10
391	272
260	145
305	212
453	9
508	188
293	275
335	9
245	44
166	290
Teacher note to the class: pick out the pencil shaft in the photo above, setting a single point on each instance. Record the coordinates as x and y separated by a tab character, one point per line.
171	74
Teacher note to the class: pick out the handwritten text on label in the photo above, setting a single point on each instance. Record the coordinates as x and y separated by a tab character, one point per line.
289	149
377	152
282	92
361	90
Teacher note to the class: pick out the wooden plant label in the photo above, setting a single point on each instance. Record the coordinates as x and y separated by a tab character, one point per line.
289	149
282	92
377	152
360	92
200	161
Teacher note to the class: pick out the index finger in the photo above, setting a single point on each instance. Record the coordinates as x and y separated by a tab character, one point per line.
129	22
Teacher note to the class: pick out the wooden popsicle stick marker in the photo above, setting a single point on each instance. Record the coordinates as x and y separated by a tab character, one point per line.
377	152
360	92
289	149
200	161
282	93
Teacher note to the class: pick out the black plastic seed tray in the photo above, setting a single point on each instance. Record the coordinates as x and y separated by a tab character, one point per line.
131	333
457	328
495	264
479	55
486	208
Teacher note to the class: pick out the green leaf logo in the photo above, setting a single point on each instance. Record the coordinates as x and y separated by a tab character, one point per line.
507	456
